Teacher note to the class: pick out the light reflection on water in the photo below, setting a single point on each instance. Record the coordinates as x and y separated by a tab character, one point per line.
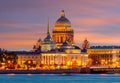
59	78
103	74
12	74
29	74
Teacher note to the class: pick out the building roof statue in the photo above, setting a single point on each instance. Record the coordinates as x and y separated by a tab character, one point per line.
85	45
37	47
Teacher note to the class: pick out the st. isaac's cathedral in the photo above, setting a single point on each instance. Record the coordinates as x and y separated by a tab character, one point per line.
57	50
62	37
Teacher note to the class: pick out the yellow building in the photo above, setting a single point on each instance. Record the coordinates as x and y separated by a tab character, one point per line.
62	30
71	58
63	60
104	56
57	51
30	58
53	60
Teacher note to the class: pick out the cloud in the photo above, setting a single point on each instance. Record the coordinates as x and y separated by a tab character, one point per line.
22	22
17	44
20	35
97	38
106	20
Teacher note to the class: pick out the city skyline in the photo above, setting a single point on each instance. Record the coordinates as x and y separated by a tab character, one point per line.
22	23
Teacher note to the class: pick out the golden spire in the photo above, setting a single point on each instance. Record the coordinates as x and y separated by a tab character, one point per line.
48	27
62	13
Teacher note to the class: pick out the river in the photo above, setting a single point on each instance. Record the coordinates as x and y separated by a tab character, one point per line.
59	78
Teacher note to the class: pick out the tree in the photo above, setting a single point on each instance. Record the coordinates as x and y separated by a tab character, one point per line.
1	57
10	58
29	63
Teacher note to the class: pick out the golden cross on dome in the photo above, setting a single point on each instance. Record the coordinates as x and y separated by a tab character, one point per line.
62	13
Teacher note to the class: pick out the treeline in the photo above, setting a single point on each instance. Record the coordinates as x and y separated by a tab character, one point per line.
8	59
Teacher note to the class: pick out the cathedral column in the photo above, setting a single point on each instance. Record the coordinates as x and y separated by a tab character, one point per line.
45	60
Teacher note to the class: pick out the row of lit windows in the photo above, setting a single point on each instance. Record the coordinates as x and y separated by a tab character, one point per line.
53	57
103	51
35	57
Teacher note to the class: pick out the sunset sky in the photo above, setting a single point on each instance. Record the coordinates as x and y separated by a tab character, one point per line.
23	22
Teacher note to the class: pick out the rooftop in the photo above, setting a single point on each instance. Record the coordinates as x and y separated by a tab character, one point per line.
26	52
104	47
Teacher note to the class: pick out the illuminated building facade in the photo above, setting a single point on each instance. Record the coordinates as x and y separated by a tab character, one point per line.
33	59
104	56
52	60
62	31
63	60
57	51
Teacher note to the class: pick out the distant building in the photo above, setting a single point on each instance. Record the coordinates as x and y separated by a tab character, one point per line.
57	51
104	56
63	54
63	60
32	57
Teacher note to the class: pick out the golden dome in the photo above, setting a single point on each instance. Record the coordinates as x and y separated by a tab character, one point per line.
62	31
63	21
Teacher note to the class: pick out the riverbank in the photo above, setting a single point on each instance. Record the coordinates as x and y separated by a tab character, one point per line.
65	71
105	70
57	71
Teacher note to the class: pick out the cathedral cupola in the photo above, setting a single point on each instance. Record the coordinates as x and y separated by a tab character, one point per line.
62	30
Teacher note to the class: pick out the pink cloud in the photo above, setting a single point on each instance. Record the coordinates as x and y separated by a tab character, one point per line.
17	44
98	20
97	38
87	15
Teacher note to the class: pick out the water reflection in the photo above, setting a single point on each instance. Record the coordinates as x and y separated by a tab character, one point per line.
29	74
60	78
103	74
11	74
64	74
